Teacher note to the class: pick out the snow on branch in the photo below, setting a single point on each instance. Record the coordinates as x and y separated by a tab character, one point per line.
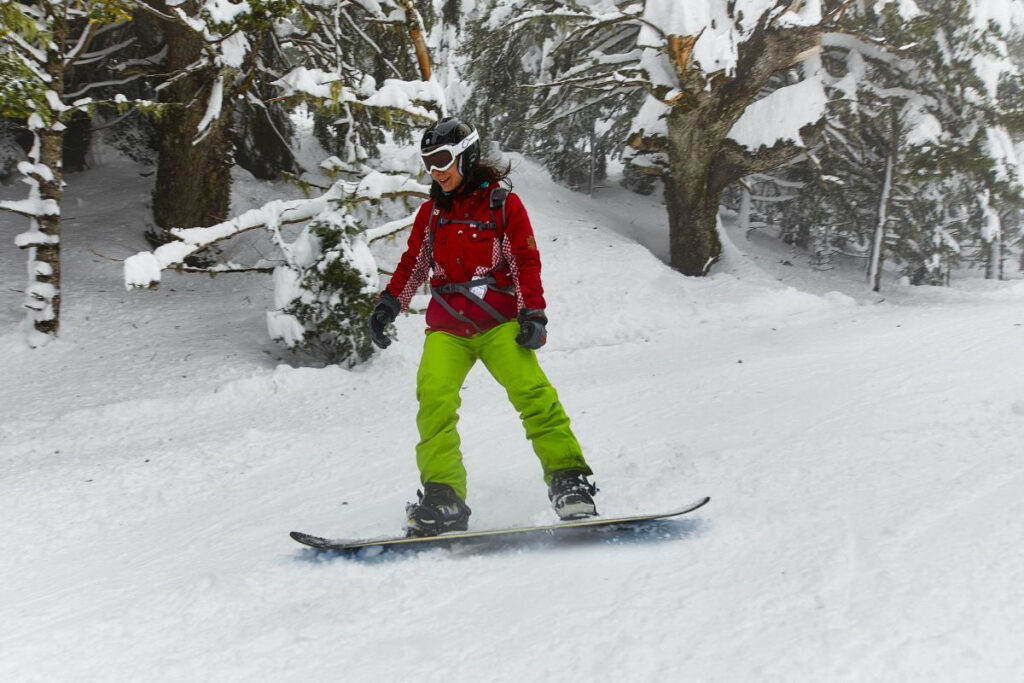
410	97
145	268
31	208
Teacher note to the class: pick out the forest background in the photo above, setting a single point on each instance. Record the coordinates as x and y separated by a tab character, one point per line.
877	131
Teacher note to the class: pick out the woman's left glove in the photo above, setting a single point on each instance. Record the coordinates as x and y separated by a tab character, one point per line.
532	328
384	313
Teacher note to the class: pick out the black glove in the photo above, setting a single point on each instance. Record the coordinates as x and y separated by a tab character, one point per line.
384	313
532	328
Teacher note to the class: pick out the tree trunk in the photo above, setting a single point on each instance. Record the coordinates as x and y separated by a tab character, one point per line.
193	178
414	24
43	295
691	197
702	160
878	243
994	260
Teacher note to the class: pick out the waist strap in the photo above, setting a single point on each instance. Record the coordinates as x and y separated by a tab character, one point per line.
466	290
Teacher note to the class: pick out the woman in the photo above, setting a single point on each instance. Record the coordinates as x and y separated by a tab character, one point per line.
474	241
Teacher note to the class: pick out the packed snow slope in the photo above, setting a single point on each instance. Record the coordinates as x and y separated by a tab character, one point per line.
862	452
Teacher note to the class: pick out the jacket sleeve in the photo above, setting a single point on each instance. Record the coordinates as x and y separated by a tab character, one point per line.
521	252
414	267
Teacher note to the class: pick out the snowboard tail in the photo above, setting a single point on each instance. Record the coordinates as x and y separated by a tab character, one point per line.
342	545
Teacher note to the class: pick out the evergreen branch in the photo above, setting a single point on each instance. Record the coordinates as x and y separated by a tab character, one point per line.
594	81
225	269
84	38
563	113
195	67
101	84
369	41
143	268
30	55
551	16
99	55
148	64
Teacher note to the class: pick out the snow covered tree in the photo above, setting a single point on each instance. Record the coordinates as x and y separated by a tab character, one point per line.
212	58
327	278
700	69
572	131
915	162
329	284
39	43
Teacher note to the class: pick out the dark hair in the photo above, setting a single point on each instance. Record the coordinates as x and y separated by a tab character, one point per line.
486	171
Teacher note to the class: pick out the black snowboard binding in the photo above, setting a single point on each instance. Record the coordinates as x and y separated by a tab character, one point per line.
572	495
439	510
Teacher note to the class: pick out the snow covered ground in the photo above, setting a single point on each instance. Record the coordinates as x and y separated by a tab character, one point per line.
863	454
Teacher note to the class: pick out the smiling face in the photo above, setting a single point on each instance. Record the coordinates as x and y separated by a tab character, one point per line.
449	179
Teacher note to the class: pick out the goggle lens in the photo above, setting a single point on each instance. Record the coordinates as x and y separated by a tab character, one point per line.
441	160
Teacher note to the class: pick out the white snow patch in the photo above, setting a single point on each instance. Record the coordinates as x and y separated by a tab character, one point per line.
780	115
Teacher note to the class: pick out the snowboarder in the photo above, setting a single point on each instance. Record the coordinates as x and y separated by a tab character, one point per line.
473	239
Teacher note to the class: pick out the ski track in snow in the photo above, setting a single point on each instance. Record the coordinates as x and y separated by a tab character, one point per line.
862	457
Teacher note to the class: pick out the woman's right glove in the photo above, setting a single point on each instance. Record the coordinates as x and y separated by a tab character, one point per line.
384	313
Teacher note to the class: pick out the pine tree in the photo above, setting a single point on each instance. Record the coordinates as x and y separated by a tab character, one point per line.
327	279
915	157
572	131
696	68
39	43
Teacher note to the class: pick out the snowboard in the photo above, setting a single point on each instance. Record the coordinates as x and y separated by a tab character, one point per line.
343	545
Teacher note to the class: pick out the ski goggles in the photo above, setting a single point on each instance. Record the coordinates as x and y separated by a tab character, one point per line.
442	158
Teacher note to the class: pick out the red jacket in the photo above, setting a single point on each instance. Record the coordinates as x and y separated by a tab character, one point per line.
464	250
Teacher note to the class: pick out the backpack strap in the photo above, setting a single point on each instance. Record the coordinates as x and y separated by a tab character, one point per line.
435	215
498	196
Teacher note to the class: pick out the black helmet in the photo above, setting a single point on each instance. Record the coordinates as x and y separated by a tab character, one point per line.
451	138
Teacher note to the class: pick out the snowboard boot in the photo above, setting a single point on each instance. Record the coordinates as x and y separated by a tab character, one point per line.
439	509
572	495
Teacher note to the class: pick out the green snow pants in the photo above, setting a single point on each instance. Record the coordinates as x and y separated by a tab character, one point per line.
446	361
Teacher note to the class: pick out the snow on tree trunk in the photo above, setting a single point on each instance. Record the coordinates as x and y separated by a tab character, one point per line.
44	175
746	202
42	297
992	235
